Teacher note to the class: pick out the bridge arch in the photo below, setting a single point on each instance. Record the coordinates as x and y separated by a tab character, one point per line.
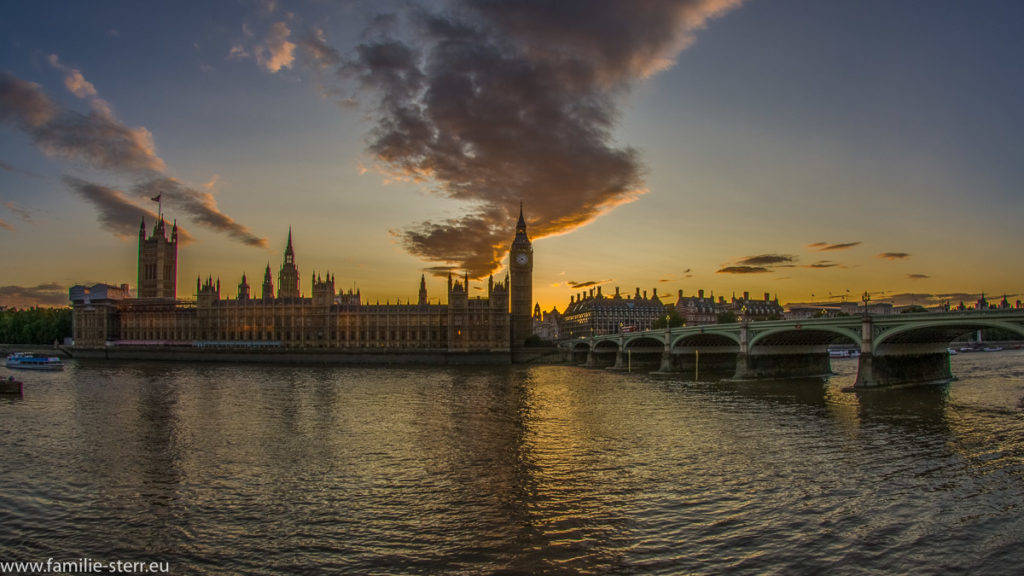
578	351
937	334
706	354
646	343
706	340
818	336
644	350
604	353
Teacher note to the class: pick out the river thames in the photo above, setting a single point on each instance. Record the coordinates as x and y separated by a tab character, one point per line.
238	469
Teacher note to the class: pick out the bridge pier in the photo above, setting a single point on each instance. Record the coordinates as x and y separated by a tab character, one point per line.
619	364
907	367
743	371
902	369
666	354
779	366
666	362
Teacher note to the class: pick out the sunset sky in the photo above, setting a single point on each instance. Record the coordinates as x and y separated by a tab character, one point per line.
811	149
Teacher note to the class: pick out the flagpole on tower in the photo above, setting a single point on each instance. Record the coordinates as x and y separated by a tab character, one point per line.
159	206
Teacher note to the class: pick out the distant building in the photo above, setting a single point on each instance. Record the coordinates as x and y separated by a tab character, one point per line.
593	313
106	316
546	324
96	315
834	309
698	310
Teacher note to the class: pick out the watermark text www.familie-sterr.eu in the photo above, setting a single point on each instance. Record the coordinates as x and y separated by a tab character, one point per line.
84	566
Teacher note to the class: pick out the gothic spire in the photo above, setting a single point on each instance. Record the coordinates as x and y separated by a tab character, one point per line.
521	241
289	253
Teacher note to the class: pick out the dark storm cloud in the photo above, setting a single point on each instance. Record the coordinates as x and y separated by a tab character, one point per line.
117	213
759	264
102	142
894	255
826	247
743	270
500	101
23	104
767	260
439	271
451	238
587	284
97	138
201	208
50	294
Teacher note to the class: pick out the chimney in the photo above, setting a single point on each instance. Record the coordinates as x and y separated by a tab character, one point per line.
700	293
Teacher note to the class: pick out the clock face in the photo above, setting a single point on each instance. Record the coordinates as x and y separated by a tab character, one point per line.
522	258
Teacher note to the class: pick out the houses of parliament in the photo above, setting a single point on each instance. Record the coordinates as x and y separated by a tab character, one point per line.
281	318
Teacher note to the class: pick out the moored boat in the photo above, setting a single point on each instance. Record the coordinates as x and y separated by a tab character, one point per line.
29	361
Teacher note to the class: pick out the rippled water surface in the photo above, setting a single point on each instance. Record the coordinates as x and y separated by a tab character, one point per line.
228	469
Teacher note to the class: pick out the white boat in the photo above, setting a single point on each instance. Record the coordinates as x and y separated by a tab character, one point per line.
952	351
843	353
29	361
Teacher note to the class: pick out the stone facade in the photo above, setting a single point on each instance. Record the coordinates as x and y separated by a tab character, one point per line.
700	310
520	264
158	261
325	321
592	314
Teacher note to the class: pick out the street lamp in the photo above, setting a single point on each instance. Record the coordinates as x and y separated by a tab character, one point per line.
866	298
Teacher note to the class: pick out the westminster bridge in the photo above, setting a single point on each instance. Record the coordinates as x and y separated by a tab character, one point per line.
894	350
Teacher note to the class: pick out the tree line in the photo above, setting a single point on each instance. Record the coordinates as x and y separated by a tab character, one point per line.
34	325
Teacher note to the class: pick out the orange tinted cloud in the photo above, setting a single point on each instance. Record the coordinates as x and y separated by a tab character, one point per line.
502	102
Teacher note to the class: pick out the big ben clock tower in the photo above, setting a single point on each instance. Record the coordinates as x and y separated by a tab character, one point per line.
520	263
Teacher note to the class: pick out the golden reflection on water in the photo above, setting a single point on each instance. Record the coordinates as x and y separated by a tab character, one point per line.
518	469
